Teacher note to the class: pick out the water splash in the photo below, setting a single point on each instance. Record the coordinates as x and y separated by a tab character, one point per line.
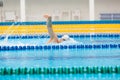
8	32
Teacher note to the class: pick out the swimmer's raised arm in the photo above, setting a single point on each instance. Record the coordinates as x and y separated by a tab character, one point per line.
49	26
53	36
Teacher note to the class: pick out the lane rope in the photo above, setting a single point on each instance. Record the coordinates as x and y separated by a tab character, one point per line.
61	70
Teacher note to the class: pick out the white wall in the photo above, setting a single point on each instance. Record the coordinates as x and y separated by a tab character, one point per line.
10	5
35	9
41	7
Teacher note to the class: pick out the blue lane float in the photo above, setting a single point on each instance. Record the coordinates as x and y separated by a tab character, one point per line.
45	47
71	35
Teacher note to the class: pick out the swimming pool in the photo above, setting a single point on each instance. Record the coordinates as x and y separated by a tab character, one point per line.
91	57
93	54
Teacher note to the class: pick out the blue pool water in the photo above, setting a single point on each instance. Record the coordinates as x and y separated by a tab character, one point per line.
61	57
78	39
63	77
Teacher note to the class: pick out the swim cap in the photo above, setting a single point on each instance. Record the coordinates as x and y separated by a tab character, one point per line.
65	37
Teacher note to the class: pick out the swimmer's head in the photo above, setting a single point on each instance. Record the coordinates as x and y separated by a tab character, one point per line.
65	38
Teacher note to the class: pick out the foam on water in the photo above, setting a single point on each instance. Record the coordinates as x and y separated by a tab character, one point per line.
68	42
4	43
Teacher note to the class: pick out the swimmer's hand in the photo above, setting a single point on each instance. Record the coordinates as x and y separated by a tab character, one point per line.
46	16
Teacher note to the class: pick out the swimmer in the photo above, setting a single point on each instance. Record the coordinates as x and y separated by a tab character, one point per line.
53	36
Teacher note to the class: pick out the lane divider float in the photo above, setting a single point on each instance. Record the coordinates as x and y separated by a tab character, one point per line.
71	35
61	70
45	47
